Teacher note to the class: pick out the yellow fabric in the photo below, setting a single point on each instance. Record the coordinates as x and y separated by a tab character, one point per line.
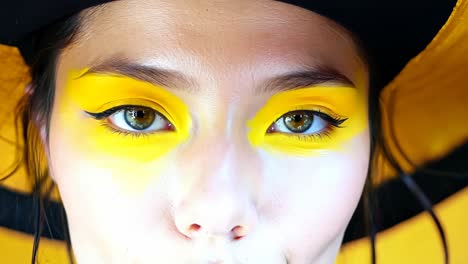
425	106
429	96
13	77
16	247
417	240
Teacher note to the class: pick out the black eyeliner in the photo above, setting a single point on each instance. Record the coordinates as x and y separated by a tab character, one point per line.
336	122
110	111
106	113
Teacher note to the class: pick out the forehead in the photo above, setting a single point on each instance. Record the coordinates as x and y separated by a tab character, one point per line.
267	37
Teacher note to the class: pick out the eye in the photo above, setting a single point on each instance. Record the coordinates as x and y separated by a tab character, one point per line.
303	122
135	119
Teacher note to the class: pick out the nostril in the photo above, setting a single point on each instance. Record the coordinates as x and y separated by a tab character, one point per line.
235	233
194	228
238	232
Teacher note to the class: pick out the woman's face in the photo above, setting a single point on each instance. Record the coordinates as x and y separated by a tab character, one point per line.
209	132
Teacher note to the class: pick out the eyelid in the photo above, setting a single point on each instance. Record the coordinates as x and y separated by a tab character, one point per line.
330	118
334	101
337	102
319	110
113	110
112	107
90	92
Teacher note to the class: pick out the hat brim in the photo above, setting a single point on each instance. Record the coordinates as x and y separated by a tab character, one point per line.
391	32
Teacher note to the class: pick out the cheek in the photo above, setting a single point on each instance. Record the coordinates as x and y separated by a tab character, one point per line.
109	191
316	196
73	164
83	150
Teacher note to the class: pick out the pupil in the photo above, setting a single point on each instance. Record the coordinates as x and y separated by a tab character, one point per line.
298	121
140	114
139	118
297	118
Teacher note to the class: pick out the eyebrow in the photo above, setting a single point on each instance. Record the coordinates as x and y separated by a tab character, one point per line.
304	78
177	80
155	75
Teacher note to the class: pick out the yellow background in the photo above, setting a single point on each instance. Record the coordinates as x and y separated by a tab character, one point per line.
425	110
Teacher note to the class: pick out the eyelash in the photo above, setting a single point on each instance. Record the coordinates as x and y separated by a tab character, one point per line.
334	122
315	137
107	113
125	133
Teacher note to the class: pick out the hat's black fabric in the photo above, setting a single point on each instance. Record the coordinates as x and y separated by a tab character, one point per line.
391	31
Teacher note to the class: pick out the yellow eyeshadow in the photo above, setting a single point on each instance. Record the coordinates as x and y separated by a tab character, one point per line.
345	102
95	93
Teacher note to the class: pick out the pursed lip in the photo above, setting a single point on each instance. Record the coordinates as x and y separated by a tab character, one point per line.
215	262
232	260
211	249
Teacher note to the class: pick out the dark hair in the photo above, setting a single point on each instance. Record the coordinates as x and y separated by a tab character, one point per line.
35	109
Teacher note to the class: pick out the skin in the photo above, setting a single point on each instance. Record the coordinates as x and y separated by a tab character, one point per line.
217	188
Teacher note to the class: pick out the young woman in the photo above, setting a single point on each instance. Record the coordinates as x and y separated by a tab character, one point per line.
206	132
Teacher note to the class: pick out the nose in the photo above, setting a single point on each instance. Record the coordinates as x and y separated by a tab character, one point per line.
227	215
219	203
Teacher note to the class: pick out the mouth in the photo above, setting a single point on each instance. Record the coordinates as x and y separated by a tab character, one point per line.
216	250
215	262
234	261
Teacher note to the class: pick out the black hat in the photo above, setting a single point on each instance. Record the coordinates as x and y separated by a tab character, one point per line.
391	31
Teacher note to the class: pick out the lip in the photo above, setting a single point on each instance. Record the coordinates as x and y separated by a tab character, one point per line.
212	249
215	262
219	260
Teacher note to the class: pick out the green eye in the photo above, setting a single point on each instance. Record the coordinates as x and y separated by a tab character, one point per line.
139	118
298	121
134	118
